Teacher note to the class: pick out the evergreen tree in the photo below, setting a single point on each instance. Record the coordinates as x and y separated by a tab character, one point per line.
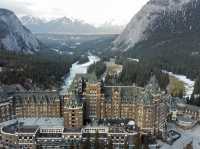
126	144
98	68
110	144
195	98
86	144
97	144
71	146
189	146
44	70
137	141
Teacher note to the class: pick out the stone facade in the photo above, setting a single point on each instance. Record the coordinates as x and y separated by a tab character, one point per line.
93	98
6	110
37	104
96	101
16	135
88	100
73	113
147	106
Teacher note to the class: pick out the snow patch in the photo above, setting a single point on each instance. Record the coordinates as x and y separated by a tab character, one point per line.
134	59
188	83
78	69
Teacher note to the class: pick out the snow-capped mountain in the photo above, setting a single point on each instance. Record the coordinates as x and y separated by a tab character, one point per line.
14	36
26	20
144	20
59	25
62	20
67	26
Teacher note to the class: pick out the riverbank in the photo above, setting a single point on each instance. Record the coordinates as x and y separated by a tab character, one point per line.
188	84
83	59
77	69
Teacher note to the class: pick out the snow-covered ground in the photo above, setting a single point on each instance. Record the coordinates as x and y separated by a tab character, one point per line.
187	136
189	84
78	69
58	51
134	59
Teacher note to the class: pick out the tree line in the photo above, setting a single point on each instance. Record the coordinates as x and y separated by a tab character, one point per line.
139	74
97	68
44	70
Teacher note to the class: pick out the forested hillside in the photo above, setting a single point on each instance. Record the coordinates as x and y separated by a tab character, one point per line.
171	40
44	70
132	73
195	99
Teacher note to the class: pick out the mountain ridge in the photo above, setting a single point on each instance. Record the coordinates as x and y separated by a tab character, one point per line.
135	31
68	26
172	40
14	36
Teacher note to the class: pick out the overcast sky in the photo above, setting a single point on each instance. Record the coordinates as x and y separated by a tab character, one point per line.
92	11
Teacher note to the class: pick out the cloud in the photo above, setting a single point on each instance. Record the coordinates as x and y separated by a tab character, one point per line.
19	7
92	11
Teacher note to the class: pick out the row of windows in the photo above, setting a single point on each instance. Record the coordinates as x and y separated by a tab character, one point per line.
94	130
51	130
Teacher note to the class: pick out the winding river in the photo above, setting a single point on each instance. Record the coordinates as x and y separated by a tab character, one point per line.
77	69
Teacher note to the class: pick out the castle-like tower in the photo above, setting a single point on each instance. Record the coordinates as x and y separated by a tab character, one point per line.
146	106
93	99
89	99
72	112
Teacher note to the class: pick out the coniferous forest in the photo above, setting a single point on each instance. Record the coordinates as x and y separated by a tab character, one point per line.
45	70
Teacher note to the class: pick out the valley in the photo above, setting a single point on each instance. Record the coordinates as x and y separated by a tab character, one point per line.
65	83
77	44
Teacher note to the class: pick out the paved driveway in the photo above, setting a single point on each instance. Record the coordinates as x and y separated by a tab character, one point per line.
187	136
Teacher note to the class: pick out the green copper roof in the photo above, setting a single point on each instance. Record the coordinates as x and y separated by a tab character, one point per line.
130	94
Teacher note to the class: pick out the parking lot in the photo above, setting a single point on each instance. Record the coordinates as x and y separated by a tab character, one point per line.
187	136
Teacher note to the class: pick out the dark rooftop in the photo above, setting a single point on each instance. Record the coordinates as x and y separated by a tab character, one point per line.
114	121
129	94
126	92
37	96
27	129
68	130
20	128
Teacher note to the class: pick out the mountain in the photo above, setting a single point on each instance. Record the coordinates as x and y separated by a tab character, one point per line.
166	33
26	20
59	25
14	36
147	19
67	26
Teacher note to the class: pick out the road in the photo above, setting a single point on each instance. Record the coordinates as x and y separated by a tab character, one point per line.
187	136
